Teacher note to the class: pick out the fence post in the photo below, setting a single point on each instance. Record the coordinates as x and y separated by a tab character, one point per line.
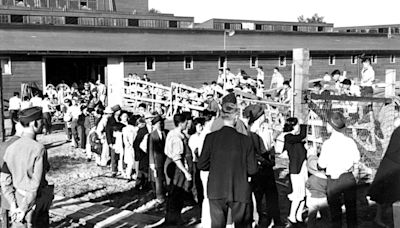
2	127
390	79
301	60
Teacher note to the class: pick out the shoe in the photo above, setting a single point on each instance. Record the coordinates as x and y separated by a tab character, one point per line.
290	224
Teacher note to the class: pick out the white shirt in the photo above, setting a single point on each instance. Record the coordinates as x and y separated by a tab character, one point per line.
46	106
338	155
25	105
14	103
367	76
260	76
195	142
277	79
36	102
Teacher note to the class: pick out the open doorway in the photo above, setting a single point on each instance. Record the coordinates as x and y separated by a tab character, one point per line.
75	70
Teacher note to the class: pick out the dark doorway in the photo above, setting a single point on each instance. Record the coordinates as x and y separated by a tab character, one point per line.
76	70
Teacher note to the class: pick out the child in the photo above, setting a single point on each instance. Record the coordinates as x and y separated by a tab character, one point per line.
316	192
119	145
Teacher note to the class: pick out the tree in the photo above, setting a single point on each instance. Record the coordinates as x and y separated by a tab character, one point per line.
155	11
314	19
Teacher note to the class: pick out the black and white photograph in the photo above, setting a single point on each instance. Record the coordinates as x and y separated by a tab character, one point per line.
199	113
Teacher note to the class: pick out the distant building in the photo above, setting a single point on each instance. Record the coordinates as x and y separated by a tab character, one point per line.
375	29
48	45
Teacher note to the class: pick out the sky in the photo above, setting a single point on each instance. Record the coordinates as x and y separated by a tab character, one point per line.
339	12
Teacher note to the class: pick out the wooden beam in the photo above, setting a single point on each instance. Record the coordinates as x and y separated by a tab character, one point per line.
390	79
349	98
2	128
301	60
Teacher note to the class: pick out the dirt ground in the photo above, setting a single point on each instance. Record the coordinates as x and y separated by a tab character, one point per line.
75	177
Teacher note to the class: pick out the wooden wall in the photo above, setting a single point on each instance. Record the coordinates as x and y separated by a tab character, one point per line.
23	69
205	67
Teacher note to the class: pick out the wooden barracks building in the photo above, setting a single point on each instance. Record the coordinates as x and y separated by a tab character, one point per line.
47	41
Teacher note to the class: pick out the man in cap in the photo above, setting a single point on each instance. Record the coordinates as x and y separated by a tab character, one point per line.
157	157
228	185
263	183
340	158
112	121
22	175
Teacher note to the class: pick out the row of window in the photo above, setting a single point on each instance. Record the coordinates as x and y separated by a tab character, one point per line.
393	30
95	21
150	62
267	27
57	4
354	59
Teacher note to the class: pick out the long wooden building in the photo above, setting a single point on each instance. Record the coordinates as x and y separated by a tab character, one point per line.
48	45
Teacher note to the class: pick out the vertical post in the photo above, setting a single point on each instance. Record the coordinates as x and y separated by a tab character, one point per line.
390	79
2	128
301	60
44	82
396	214
293	91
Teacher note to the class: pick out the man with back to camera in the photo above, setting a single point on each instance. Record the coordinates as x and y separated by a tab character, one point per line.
230	164
14	107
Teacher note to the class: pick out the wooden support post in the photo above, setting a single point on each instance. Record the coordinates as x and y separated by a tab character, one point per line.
301	60
2	128
390	79
396	214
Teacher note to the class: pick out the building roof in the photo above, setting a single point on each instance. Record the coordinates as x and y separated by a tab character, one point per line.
53	39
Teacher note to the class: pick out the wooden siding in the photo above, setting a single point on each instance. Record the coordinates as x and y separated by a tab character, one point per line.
23	69
205	67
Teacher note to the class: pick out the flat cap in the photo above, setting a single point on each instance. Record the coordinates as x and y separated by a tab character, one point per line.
30	114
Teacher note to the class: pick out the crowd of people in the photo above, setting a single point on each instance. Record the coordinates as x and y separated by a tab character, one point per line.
222	160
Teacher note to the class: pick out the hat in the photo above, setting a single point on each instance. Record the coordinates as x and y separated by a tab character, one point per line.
115	108
210	94
30	114
346	82
229	108
230	98
337	121
148	115
157	119
253	112
108	110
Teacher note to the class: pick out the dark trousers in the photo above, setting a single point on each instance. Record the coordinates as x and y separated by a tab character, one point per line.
343	187
367	91
47	122
158	178
263	184
13	116
242	213
74	129
174	205
114	160
198	185
82	136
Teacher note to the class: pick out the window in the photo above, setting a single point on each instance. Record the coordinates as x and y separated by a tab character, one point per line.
17	19
258	27
320	29
392	59
295	28
173	24
150	63
71	20
133	22
282	61
188	63
253	61
354	59
5	64
332	60
227	26
222	62
374	59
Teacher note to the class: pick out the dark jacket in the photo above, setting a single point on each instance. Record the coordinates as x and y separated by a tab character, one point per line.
294	145
386	185
156	149
139	153
109	130
230	158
